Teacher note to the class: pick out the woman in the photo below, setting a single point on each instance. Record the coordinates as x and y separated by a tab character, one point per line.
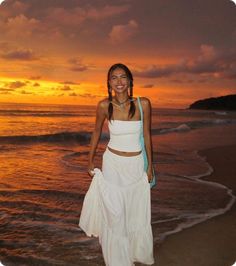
116	207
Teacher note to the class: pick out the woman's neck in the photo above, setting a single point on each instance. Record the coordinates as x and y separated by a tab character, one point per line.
121	97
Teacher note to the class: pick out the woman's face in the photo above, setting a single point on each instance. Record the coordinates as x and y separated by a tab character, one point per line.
119	81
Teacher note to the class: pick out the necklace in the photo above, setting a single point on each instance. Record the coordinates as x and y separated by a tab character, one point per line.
120	104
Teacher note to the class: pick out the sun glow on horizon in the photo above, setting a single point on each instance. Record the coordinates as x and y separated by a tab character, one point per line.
23	90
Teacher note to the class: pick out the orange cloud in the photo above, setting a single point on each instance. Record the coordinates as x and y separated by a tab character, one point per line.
22	26
121	33
76	15
77	65
16	84
65	88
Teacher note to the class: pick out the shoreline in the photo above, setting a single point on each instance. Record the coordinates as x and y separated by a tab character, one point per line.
213	241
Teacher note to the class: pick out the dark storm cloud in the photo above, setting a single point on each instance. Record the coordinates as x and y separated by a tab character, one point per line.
36	84
65	88
16	84
148	86
210	61
77	65
60	95
177	24
156	71
161	26
62	88
35	17
6	90
183	80
25	92
70	83
38	8
90	95
20	54
73	94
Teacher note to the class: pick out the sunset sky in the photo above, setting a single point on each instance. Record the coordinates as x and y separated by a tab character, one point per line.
59	51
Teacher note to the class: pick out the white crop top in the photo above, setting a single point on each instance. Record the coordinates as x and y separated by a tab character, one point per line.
125	135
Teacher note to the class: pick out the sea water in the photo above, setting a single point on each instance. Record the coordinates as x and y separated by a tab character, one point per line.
43	178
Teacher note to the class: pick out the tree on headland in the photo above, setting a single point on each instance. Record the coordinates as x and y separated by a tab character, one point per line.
227	102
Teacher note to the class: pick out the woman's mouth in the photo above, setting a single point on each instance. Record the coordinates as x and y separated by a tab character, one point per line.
119	87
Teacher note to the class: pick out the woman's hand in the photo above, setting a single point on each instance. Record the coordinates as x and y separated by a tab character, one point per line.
90	169
100	118
149	174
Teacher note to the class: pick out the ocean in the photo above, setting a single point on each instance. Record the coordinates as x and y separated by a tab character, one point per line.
43	178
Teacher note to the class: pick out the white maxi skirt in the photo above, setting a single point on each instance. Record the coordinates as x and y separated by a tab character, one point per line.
117	209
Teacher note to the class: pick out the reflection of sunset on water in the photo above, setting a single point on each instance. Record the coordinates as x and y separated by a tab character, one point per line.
43	178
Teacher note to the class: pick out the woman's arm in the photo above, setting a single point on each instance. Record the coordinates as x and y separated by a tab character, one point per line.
147	116
100	117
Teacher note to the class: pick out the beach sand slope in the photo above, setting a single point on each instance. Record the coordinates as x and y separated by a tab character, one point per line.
213	242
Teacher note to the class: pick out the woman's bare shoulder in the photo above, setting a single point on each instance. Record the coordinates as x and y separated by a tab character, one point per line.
102	107
103	103
145	101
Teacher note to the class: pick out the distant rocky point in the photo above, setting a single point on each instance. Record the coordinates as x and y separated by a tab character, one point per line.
227	102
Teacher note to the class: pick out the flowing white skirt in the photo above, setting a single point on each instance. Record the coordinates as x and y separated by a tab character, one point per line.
117	209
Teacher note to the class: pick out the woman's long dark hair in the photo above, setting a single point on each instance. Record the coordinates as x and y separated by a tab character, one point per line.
130	77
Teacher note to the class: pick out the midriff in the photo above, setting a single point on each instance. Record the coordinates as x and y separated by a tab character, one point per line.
124	153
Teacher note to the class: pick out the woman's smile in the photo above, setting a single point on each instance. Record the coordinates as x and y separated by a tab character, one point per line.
119	87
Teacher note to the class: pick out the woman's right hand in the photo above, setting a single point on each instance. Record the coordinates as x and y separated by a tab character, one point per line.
91	169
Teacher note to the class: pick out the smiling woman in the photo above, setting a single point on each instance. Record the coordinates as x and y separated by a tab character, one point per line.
117	206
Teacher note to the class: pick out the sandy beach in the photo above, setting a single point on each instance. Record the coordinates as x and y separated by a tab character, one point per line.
213	242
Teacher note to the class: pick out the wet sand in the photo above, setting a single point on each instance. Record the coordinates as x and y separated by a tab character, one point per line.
212	242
